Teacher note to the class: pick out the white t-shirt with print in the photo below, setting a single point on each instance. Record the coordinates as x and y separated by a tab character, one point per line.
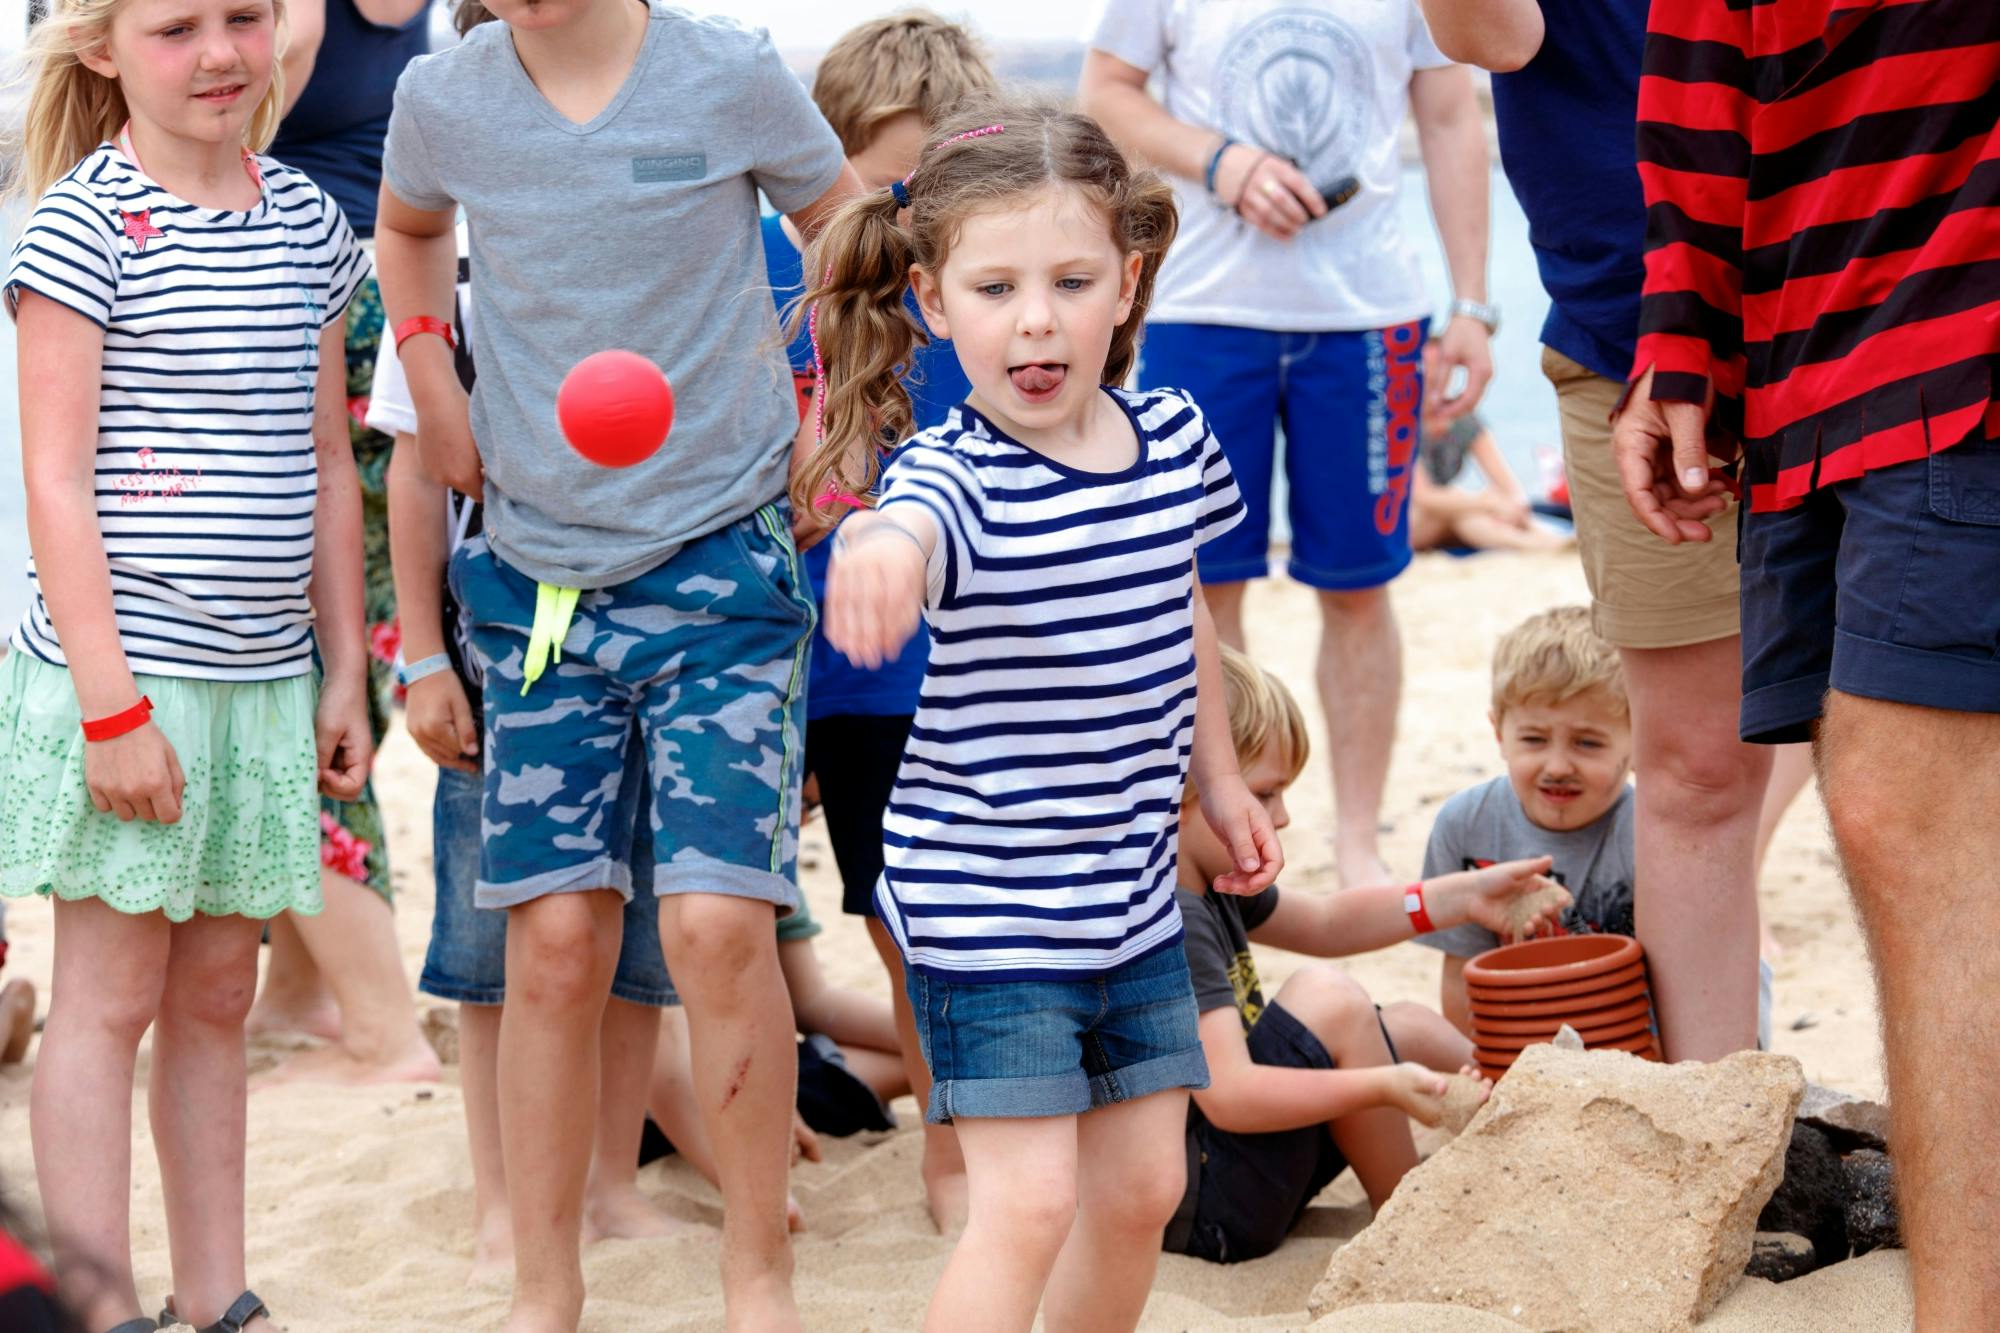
1322	82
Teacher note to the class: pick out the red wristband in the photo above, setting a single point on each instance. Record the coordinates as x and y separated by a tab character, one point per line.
416	324
1413	903
111	728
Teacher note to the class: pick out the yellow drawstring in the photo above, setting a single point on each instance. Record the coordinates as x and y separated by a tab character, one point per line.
555	608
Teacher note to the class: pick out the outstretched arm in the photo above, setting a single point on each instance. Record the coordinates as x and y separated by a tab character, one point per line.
1332	925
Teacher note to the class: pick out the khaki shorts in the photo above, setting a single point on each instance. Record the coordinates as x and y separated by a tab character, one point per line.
1644	593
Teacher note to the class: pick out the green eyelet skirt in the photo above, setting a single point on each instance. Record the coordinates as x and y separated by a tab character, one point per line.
247	841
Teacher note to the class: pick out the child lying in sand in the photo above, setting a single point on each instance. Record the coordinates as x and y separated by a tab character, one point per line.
1319	1056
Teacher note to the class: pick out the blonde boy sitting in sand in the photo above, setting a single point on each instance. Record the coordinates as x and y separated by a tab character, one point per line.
1560	716
1319	1077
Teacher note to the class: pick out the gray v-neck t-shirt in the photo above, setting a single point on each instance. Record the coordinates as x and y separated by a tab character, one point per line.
639	230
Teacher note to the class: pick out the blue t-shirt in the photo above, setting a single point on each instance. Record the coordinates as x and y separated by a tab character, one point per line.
835	686
1566	142
334	131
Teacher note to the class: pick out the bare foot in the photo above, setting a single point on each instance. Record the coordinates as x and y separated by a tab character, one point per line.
621	1211
761	1306
280	1018
492	1250
949	1198
17	1020
530	1319
417	1063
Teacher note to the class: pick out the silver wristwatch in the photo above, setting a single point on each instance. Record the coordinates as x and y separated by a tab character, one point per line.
1489	315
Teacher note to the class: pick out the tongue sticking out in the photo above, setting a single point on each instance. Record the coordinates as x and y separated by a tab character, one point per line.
1036	381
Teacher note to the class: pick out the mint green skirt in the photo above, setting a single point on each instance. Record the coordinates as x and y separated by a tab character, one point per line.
247	842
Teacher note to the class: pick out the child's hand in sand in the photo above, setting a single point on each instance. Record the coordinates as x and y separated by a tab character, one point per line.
1415	1091
1466	1092
1435	1099
1515	899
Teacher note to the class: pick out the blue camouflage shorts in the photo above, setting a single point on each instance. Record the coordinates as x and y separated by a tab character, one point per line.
701	660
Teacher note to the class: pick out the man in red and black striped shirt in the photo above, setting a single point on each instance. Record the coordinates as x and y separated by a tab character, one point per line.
1822	308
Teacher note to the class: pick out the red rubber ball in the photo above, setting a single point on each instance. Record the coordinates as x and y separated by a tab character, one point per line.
615	408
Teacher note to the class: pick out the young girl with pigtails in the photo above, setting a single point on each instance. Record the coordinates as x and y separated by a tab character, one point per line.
196	525
1047	531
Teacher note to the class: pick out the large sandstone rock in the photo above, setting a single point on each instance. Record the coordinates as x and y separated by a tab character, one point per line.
1594	1191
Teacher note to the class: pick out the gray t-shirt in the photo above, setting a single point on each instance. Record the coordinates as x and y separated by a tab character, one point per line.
1220	965
1485	824
636	230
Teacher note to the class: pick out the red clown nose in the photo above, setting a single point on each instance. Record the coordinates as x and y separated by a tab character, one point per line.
615	408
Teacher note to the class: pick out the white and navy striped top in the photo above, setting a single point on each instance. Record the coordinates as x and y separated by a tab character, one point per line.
1035	819
205	469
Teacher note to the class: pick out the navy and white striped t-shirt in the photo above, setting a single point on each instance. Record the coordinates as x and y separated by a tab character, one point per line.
205	470
1035	819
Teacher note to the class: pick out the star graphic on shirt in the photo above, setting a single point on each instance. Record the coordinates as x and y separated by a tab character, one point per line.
139	227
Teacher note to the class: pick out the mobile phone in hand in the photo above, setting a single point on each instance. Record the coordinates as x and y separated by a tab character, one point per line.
1339	192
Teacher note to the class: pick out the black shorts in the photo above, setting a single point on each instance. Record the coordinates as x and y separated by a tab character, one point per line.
1247	1191
855	760
1881	586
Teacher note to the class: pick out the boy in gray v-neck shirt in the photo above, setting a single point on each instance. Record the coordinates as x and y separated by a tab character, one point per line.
635	229
638	229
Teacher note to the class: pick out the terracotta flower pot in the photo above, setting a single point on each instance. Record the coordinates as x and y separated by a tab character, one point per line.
1638	1007
1548	962
1593	1037
1583	1003
1522	994
1561	990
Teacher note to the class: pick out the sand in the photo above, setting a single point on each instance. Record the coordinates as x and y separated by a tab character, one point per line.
360	1199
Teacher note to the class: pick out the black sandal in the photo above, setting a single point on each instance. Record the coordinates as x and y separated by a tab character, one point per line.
245	1308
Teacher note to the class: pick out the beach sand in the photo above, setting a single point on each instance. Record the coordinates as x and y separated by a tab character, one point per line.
360	1199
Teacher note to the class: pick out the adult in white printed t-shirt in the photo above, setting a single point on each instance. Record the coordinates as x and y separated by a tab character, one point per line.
1293	301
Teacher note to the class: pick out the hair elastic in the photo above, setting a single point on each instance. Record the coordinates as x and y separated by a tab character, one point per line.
833	495
901	188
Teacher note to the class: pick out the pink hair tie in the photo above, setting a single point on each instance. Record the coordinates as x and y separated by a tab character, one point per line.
819	367
901	188
833	495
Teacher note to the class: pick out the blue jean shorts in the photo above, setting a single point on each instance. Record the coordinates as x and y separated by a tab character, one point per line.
1351	408
1037	1048
467	958
1880	586
700	661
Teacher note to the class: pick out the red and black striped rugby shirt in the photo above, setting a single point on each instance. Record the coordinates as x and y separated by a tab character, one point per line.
1822	186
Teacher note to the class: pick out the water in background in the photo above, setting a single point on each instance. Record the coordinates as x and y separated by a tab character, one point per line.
1519	407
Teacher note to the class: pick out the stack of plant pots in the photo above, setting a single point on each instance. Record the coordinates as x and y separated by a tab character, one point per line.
1525	993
